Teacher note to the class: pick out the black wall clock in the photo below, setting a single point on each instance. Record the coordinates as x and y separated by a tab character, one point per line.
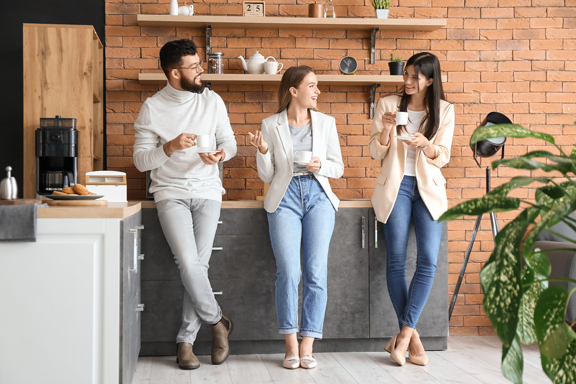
348	65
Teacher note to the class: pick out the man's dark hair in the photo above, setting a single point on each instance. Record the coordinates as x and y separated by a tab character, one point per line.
172	52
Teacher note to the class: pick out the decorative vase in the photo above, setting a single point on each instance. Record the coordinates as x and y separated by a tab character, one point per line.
173	7
396	67
382	13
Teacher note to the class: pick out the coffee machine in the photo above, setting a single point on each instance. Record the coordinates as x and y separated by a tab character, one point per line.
56	155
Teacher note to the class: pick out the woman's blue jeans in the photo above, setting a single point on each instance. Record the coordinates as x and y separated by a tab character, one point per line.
304	220
409	302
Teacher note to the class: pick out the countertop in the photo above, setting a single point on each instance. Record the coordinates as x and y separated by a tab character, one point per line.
123	210
112	211
358	203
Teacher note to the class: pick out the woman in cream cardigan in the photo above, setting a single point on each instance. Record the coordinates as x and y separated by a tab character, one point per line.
410	186
301	206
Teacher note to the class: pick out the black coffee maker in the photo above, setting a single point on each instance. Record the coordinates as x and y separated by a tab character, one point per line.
56	155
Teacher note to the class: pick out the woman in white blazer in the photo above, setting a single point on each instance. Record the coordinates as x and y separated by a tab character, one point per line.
300	204
410	186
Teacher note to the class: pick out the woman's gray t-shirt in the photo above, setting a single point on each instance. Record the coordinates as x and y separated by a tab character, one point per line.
301	141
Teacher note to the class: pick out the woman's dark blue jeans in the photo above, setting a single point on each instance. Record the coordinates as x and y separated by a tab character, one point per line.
409	302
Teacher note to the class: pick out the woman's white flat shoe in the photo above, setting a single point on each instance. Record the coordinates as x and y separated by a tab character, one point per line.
308	362
291	362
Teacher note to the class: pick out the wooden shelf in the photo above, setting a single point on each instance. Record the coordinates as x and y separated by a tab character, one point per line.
289	22
239	78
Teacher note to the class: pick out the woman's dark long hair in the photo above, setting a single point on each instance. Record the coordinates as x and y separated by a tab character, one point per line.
428	65
293	77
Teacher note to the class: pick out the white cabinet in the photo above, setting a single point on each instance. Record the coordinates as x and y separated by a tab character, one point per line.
63	303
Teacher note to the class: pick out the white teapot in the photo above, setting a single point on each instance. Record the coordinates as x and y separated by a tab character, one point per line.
186	10
255	64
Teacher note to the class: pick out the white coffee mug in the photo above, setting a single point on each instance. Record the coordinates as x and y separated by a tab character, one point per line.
401	118
271	67
203	142
303	156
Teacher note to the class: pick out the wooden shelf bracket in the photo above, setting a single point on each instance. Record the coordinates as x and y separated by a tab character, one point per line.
373	45
373	99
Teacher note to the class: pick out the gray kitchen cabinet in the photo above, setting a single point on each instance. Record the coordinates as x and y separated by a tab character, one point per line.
130	302
348	307
359	314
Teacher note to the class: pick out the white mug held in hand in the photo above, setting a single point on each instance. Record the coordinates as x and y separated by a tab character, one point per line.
401	118
303	156
203	142
271	67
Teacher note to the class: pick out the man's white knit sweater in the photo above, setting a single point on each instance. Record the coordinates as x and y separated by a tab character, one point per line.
162	118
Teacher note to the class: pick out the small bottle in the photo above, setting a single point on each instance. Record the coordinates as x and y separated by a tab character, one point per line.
173	7
329	10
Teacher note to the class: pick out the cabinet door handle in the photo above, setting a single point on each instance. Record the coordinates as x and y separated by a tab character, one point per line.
134	258
139	227
219	222
217	293
141	256
363	232
217	248
140	308
375	233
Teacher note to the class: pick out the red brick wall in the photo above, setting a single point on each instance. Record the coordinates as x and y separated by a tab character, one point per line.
512	56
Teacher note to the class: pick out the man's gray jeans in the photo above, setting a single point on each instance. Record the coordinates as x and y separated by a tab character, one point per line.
189	227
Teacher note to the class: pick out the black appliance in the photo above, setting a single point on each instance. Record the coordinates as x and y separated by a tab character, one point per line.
56	155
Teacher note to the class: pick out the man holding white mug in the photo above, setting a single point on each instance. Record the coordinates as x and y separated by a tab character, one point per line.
186	185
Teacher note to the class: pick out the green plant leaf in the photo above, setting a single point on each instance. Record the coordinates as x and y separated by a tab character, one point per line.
486	203
539	263
558	209
554	335
507	130
562	370
526	163
513	361
550	192
516	182
501	281
532	291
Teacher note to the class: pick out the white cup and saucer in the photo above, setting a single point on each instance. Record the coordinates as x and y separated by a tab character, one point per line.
303	157
203	143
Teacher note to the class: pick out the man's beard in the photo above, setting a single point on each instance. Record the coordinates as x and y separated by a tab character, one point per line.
192	86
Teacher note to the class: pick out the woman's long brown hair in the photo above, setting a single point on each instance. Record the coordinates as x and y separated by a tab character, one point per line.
428	65
293	77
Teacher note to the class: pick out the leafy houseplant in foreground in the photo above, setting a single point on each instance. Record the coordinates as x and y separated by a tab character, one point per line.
518	300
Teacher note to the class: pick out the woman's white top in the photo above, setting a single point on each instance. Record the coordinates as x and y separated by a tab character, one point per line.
414	121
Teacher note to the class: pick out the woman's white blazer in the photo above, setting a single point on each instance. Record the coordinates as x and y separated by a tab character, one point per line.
277	165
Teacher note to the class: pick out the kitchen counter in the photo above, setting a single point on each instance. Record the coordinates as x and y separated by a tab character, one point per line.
359	203
112	211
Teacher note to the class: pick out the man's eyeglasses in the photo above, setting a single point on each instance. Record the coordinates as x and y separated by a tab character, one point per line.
195	67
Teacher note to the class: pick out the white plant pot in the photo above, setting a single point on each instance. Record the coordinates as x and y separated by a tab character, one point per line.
382	13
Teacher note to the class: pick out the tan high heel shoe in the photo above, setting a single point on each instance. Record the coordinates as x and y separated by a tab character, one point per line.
418	360
394	354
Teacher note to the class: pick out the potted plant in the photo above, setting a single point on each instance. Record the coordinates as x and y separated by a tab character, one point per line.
382	7
521	305
396	65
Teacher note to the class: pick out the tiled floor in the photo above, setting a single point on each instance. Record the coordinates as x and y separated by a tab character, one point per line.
469	360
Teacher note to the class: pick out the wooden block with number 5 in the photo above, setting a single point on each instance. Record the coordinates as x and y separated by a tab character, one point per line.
254	8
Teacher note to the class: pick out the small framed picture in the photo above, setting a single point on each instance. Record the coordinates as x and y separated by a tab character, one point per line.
254	8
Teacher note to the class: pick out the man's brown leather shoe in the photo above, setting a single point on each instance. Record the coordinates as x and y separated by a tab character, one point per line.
220	346
186	358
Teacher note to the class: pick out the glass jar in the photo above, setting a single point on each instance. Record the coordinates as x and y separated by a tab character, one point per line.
215	64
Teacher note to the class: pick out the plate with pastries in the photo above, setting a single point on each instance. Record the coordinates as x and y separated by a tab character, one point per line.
76	192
